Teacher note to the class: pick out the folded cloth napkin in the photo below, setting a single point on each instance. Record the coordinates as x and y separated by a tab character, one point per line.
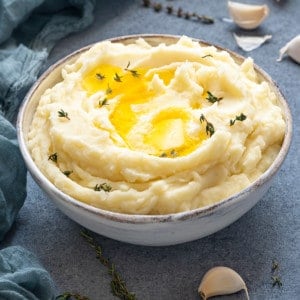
22	276
29	30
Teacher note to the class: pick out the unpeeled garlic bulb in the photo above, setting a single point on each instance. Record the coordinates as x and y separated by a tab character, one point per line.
221	281
247	16
292	49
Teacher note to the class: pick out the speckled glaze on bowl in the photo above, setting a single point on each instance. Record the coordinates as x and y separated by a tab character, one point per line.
152	230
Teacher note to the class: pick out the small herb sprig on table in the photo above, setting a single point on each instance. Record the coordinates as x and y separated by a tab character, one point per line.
71	296
180	13
117	284
276	280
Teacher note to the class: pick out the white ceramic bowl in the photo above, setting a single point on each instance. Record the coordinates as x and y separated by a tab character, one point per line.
154	230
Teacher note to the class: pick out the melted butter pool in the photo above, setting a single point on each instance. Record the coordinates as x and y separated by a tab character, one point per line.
138	117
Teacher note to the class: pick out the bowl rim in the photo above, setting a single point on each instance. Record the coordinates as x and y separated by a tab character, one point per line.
207	210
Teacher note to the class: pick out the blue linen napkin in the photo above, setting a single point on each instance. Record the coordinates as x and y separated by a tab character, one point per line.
22	276
29	29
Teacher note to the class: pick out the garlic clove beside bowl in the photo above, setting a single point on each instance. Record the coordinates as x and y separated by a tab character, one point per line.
247	16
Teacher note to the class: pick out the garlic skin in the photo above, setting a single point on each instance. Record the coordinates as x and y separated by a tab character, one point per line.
221	281
249	43
247	16
292	49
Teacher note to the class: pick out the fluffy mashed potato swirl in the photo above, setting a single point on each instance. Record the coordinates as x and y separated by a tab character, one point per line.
143	129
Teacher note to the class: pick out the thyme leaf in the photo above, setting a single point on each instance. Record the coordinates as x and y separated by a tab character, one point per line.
212	99
67	173
63	114
103	187
173	153
275	265
103	102
134	73
117	284
241	118
117	78
100	76
108	90
276	281
209	128
53	157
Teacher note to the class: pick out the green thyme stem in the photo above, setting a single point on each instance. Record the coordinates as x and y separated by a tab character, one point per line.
179	12
71	296
62	114
118	286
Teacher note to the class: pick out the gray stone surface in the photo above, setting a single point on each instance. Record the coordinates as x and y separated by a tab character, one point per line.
271	230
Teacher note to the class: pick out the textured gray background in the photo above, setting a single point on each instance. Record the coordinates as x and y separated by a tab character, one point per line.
271	230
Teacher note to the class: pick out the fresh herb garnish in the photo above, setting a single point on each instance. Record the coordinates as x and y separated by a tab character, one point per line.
102	187
212	98
71	296
173	153
179	13
276	281
103	102
53	157
275	265
117	284
63	114
67	173
207	55
117	78
134	73
100	76
241	118
210	130
108	90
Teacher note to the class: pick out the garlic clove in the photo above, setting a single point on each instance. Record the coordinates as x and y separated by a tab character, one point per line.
249	43
247	16
292	49
221	281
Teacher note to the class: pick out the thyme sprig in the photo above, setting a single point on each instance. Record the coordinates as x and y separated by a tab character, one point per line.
276	280
134	73
103	187
53	157
103	102
209	128
108	90
212	98
117	78
240	117
173	153
117	284
179	12
71	296
63	114
100	76
67	173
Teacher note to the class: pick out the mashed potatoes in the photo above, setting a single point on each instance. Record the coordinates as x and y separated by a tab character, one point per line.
144	129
